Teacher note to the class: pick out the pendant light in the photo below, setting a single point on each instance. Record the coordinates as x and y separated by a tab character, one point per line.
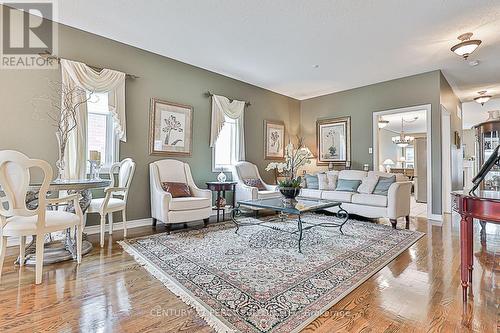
466	46
482	98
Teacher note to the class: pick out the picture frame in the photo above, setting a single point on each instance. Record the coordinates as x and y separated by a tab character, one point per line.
171	128
274	140
333	141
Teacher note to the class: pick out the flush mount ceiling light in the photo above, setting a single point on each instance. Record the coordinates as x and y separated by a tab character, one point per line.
466	46
382	123
402	140
482	98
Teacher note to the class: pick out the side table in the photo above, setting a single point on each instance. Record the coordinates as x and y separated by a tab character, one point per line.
221	188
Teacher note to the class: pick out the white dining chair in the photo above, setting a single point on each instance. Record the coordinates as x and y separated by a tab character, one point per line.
16	220
115	198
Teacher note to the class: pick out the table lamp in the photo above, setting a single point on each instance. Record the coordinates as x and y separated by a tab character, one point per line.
388	163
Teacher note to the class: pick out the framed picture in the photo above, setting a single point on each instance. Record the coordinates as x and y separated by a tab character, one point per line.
333	139
274	140
171	129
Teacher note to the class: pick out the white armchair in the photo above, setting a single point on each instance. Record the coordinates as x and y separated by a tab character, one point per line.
170	210
16	220
245	170
115	198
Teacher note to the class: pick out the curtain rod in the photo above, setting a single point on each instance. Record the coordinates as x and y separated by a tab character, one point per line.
47	55
210	94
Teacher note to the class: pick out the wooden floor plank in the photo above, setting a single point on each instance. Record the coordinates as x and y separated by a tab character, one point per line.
109	292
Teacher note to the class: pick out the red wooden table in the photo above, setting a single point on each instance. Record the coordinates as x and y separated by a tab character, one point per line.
484	206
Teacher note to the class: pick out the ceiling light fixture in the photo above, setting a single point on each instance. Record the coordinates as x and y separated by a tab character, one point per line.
466	46
382	123
482	98
402	140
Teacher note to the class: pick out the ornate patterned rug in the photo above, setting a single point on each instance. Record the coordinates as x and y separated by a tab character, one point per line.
256	280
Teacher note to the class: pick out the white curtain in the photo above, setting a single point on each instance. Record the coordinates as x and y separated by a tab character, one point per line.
106	81
222	107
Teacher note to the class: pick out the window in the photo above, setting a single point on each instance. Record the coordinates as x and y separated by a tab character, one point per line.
409	157
224	152
100	130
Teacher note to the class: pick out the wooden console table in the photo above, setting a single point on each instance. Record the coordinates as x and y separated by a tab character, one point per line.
485	207
222	187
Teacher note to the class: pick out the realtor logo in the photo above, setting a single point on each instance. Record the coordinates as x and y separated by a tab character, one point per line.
27	30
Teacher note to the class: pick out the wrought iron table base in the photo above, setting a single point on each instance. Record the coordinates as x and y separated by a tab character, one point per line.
301	225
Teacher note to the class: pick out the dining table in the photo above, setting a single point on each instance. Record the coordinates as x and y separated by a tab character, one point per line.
61	246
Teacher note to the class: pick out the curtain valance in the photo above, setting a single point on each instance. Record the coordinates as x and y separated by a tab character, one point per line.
222	107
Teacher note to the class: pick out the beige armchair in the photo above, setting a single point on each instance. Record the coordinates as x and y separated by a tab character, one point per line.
170	210
245	170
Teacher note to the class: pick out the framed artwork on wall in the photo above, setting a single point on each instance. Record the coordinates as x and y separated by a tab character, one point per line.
171	128
274	140
333	141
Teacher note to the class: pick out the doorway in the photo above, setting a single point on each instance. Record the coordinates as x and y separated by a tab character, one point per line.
412	158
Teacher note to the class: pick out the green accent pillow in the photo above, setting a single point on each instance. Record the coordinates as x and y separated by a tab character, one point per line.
347	185
312	181
383	184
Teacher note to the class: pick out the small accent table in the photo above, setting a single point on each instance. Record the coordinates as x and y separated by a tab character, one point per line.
484	206
297	207
221	188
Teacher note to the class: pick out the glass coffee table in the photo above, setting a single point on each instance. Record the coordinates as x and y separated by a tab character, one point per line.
297	207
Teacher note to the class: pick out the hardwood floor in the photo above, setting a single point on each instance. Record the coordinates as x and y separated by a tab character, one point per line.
109	292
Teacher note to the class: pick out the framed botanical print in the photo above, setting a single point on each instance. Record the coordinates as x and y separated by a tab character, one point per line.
274	140
171	129
333	139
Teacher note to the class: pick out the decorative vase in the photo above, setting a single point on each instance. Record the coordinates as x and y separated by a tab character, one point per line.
289	192
220	202
60	164
221	177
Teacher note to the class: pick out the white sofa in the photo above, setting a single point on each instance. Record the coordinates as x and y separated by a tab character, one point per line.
171	210
393	206
246	170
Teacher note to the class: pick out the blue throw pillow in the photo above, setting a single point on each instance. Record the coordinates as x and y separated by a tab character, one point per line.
383	184
347	185
312	181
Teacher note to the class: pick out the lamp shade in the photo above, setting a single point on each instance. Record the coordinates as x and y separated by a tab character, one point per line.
388	162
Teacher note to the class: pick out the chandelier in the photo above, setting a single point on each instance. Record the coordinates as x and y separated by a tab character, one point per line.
402	140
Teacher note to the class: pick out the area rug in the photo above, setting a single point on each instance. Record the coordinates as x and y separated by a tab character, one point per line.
256	280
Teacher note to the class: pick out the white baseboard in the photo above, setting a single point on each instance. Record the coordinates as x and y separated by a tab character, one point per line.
94	229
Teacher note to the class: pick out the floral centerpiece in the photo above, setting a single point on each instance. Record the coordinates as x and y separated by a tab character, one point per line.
294	159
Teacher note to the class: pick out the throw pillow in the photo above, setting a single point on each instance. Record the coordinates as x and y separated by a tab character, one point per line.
177	190
332	178
327	181
368	184
347	185
255	182
383	184
312	181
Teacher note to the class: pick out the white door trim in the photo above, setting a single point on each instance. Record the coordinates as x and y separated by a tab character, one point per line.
428	109
446	165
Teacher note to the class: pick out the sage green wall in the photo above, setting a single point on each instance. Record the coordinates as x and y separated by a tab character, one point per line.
360	103
25	126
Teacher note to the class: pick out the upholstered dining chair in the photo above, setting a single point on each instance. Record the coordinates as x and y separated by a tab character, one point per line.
115	198
16	220
169	208
249	183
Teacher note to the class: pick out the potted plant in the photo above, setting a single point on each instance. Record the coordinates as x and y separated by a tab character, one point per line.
294	159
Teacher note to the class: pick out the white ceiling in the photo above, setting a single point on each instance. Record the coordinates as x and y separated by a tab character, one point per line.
474	113
275	44
410	125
